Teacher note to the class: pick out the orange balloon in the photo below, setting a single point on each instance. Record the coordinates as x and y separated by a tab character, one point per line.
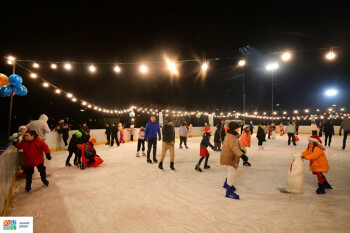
4	80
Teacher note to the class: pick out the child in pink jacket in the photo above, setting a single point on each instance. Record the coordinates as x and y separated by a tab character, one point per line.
245	142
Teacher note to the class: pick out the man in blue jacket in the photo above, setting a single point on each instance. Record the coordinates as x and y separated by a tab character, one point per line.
152	128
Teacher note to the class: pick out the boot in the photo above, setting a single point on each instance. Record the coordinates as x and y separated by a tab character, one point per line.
137	154
143	153
82	166
28	188
148	159
186	147
198	168
180	147
160	166
327	185
206	166
172	166
46	182
246	164
230	193
68	164
320	189
154	159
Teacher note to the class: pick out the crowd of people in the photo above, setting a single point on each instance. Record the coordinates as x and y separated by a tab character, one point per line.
231	140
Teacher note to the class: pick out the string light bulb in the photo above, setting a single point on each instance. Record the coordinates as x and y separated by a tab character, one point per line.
58	91
143	69
286	56
117	69
33	75
36	65
204	66
74	99
241	62
53	66
45	84
92	68
83	103
69	95
68	66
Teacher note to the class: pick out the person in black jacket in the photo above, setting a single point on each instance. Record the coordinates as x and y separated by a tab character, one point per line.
108	133
203	152
328	132
260	136
72	148
114	131
86	136
223	133
217	138
168	133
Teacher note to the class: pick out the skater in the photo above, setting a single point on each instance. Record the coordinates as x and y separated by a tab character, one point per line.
86	136
230	156
73	149
223	133
89	156
40	126
33	149
183	135
270	131
296	125
203	151
190	128
260	135
83	128
114	133
217	138
18	137
132	132
152	128
266	130
345	125
281	128
121	133
251	127
63	129
318	162
328	132
244	143
108	133
291	131
141	141
313	128
168	133
320	128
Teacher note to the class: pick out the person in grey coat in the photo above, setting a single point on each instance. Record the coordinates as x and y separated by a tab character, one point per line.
183	135
345	125
40	126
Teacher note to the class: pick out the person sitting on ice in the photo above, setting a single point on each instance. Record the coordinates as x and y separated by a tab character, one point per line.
203	151
230	155
89	156
318	162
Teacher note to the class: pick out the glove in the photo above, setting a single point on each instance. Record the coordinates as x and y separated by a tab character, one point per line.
48	156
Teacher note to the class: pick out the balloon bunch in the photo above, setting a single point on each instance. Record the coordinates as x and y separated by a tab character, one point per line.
132	114
11	84
198	115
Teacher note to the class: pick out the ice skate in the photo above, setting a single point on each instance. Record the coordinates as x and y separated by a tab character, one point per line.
198	168
230	193
206	166
320	189
172	166
68	164
327	185
246	164
143	153
46	182
160	166
137	154
28	188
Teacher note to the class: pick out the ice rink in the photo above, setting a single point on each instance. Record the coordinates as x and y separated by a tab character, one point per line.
125	194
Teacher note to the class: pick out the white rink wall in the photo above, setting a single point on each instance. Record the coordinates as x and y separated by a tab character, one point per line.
55	142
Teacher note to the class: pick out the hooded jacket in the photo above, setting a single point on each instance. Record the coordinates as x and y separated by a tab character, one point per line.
260	134
40	126
245	139
231	150
182	131
152	128
33	152
318	159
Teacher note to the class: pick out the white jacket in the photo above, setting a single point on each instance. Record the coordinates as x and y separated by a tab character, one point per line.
40	126
313	127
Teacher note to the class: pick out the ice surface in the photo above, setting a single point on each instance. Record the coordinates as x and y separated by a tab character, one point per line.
125	194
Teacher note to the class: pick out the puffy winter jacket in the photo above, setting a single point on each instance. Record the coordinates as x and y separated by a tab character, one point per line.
74	141
231	151
33	151
40	126
168	132
318	159
206	141
260	134
152	128
245	139
182	131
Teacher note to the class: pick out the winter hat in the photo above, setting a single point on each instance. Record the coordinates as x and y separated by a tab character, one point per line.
22	127
61	121
79	134
233	125
315	138
208	129
92	140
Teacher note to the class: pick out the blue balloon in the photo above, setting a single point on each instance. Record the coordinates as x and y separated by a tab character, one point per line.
5	90
15	80
20	90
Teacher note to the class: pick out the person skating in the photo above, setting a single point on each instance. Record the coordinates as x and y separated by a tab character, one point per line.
313	128
114	133
168	133
132	132
40	126
203	151
345	125
141	141
86	136
108	133
18	137
73	149
152	128
251	125
290	130
230	155
260	135
83	128
121	133
281	128
318	162
63	129
320	128
33	149
328	132
183	135
217	138
245	142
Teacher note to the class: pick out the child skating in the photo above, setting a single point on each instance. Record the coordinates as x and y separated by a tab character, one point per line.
245	142
204	153
141	141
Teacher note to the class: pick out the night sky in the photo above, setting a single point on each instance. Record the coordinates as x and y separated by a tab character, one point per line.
89	31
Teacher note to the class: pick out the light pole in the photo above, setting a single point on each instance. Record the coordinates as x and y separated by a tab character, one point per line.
242	63
271	67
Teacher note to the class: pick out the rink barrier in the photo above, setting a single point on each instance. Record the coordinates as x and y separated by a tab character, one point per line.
55	142
8	172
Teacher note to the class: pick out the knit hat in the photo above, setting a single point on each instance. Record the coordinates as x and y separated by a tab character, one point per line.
315	138
61	121
208	129
92	140
22	127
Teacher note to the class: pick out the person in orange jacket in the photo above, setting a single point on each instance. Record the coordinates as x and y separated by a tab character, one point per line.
244	143
318	162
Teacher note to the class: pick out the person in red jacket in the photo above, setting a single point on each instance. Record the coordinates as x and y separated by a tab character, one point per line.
245	142
33	149
89	156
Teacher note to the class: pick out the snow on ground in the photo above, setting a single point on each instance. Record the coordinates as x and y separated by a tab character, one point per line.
125	194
